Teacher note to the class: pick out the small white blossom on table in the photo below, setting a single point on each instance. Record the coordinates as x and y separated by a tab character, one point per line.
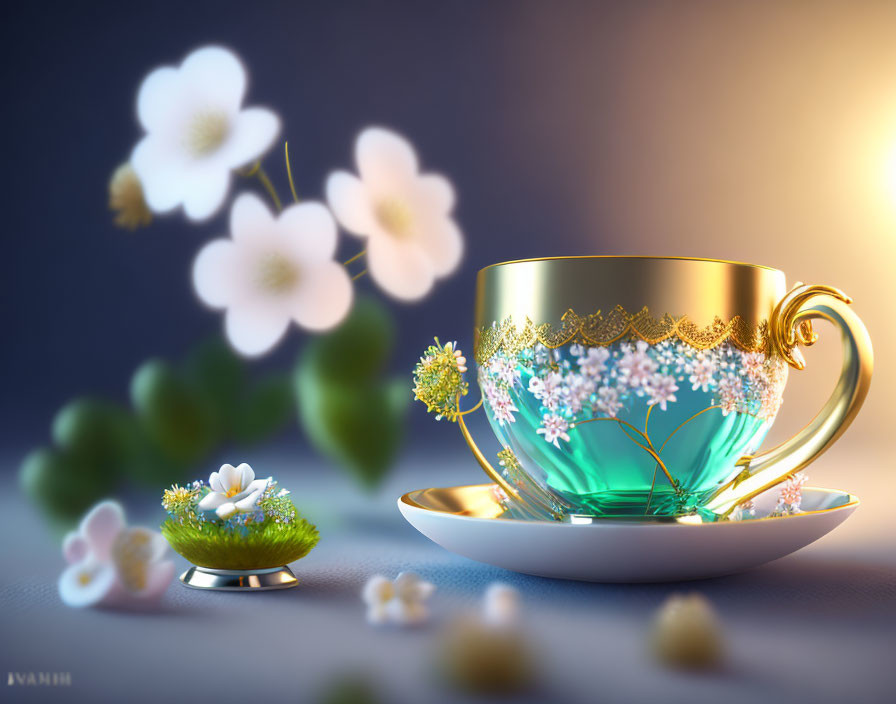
112	564
404	214
197	132
402	602
500	605
233	490
273	270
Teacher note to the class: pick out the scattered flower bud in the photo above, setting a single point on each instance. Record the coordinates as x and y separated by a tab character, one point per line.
687	633
476	657
401	602
500	605
126	199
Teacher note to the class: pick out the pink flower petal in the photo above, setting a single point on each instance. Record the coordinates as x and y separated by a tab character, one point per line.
101	526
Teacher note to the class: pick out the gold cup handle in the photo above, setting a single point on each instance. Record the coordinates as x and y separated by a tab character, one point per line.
790	326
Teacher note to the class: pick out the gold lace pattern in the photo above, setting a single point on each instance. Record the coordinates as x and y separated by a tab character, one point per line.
597	330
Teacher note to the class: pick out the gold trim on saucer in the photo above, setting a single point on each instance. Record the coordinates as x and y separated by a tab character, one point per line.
480	501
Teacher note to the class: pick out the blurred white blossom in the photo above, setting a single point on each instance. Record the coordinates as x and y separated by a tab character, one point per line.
401	602
112	564
405	215
197	132
273	269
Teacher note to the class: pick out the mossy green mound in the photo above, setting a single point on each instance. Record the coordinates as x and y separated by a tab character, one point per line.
257	546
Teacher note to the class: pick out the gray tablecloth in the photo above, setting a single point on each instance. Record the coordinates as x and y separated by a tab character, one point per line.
819	625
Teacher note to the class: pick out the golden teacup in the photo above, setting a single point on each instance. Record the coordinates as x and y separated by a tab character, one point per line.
643	387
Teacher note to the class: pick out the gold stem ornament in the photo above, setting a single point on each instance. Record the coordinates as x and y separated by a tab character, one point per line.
292	185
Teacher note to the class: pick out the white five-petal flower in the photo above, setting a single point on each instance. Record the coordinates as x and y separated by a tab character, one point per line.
233	490
401	602
197	132
111	563
273	270
405	215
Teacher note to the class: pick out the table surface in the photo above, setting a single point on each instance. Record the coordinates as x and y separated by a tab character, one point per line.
819	625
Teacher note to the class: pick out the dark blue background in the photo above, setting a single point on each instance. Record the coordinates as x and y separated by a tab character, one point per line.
84	302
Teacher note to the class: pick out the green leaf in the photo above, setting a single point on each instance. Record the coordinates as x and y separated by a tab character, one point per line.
58	486
349	412
220	376
356	351
266	409
177	419
96	435
360	427
151	468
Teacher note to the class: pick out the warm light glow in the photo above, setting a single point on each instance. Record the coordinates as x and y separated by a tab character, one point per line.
890	174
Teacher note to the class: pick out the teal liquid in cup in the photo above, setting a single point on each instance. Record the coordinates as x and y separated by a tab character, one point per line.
630	430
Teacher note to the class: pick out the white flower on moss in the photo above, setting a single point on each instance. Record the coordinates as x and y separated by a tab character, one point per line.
402	602
404	214
272	270
233	490
197	132
112	564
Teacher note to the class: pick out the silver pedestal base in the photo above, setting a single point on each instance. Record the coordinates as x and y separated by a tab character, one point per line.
239	580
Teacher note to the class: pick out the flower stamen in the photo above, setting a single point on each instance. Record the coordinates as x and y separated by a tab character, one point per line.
394	217
206	132
276	274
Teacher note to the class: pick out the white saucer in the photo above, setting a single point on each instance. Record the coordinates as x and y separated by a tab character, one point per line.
469	521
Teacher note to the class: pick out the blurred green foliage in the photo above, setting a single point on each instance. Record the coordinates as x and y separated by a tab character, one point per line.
350	688
350	411
180	414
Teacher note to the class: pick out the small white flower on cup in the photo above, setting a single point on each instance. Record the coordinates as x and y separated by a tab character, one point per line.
554	428
401	602
405	215
500	605
274	269
197	132
112	564
233	490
